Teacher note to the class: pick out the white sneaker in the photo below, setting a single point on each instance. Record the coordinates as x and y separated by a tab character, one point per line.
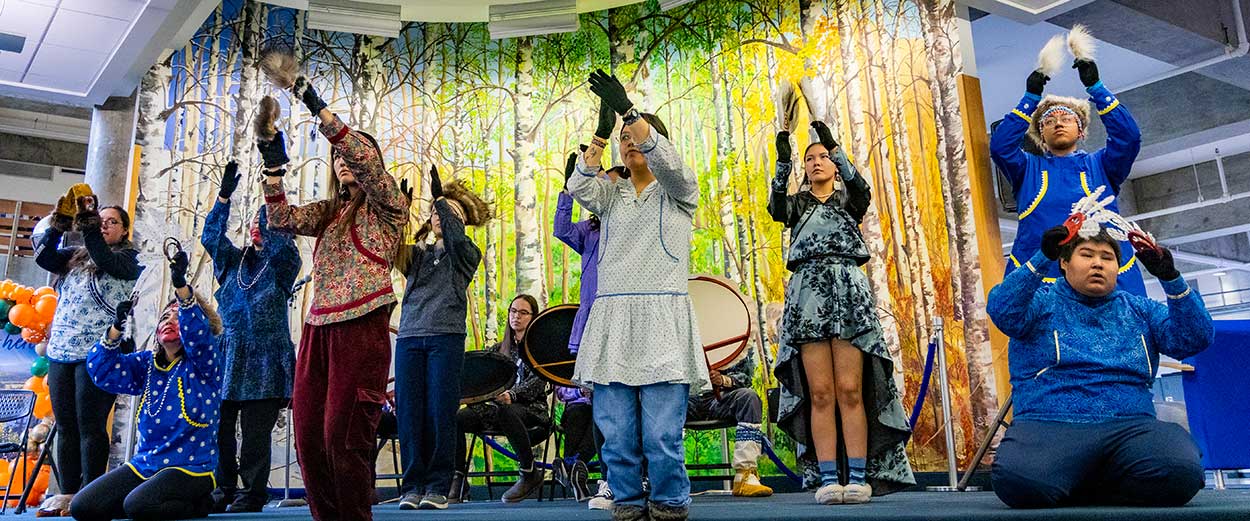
857	493
602	500
830	494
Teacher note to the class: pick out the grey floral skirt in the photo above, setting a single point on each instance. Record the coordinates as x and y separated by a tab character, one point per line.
826	299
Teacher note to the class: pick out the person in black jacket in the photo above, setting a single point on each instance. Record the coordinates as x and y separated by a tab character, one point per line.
514	412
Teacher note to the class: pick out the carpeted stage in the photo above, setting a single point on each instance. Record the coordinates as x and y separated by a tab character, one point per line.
1210	505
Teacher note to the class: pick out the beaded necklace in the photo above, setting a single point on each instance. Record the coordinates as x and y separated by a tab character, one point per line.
152	393
239	275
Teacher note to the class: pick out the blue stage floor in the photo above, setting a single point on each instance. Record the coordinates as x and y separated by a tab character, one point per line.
1210	505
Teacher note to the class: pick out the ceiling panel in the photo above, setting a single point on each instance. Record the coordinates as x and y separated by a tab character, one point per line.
23	19
10	75
65	68
83	31
119	9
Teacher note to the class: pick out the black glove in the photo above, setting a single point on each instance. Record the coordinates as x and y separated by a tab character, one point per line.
607	121
273	152
229	180
1087	70
784	151
1158	261
436	185
825	135
121	314
610	90
87	221
61	222
406	190
570	166
1050	241
178	269
309	97
1036	82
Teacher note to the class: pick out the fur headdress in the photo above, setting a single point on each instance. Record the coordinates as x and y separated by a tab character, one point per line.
476	211
1078	106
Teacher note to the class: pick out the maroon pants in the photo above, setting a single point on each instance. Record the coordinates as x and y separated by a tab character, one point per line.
340	386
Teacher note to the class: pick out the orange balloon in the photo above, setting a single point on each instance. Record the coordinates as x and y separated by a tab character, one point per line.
36	383
6	289
22	295
33	336
46	290
43	405
22	315
45	307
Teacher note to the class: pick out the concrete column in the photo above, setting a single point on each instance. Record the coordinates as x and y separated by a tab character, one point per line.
110	149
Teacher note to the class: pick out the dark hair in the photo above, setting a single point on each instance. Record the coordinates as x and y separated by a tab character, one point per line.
809	147
656	123
509	336
125	216
1068	249
340	193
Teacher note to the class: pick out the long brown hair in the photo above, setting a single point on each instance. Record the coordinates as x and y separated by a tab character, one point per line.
400	257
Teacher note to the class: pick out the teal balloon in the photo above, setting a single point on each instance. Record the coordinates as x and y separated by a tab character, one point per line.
12	329
4	309
40	367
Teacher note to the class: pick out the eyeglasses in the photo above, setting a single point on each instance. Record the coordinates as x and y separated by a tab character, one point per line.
520	312
1054	121
111	222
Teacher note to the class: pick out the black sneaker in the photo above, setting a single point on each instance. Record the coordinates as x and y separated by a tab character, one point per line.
433	502
411	501
579	475
560	472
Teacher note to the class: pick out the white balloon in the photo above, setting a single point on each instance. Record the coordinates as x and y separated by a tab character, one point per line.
41	348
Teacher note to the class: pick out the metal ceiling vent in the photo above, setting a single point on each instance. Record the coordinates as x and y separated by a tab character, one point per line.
533	18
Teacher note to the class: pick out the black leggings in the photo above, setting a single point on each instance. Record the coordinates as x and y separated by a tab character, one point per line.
82	411
511	420
257	418
579	432
122	494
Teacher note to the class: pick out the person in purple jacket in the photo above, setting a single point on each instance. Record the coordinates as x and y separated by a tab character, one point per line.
581	442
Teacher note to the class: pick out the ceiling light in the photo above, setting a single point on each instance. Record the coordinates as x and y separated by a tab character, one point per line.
1220	273
354	17
533	18
301	5
12	42
670	4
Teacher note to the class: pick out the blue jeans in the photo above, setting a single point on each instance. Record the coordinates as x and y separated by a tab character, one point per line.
427	394
640	422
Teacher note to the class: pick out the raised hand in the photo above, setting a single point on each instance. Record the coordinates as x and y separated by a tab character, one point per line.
61	221
569	166
784	150
436	184
88	219
121	314
1036	82
304	89
229	180
1052	241
178	269
824	135
1088	71
1158	261
406	190
610	90
273	152
607	121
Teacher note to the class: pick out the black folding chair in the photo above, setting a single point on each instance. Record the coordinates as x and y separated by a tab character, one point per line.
16	406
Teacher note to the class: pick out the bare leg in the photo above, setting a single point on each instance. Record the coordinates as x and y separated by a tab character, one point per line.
818	366
848	372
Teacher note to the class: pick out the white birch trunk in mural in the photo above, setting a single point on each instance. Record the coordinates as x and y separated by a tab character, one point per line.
370	79
817	81
877	273
244	136
945	54
724	149
529	255
490	262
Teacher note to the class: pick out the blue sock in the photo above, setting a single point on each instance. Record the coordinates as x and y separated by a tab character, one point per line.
828	472
856	468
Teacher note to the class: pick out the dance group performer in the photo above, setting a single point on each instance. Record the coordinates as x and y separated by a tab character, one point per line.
1084	347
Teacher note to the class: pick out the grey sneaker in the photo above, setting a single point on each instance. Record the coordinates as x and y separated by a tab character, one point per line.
433	502
666	513
410	501
603	500
560	472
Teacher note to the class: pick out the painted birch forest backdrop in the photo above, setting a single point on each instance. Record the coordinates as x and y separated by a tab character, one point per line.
501	115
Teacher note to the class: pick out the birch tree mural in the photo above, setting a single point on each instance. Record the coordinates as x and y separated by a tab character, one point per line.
501	115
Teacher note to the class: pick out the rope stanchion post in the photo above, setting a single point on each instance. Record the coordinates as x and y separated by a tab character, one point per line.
952	471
